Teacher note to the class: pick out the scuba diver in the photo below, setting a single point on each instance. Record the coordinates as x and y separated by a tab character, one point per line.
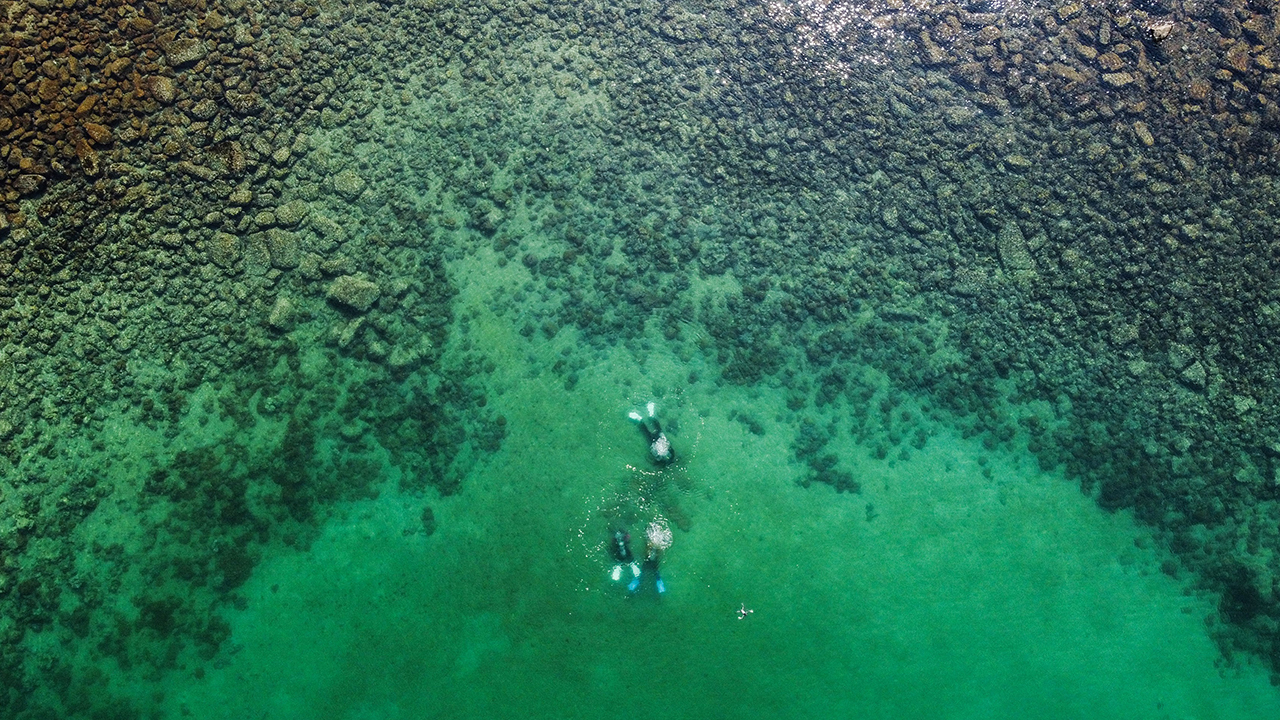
657	538
660	450
657	535
620	548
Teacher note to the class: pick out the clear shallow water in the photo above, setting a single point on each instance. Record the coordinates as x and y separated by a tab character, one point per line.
811	255
967	593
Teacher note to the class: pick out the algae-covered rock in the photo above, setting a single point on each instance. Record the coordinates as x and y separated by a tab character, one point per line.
348	184
163	89
224	249
291	213
205	109
284	248
282	314
256	254
1195	376
243	103
1014	254
240	197
184	51
353	292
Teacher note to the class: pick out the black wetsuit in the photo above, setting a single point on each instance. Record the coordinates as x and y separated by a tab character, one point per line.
653	433
622	547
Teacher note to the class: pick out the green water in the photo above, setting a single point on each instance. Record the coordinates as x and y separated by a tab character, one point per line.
401	508
959	583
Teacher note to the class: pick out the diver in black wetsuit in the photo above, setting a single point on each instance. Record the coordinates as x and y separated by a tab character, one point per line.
657	538
660	450
620	548
657	535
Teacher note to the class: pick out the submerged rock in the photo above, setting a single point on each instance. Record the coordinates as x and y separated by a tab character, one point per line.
282	314
163	89
353	292
348	184
224	249
184	51
291	213
284	248
1195	376
1014	253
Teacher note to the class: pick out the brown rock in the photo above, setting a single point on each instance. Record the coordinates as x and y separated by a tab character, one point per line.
1238	57
199	172
28	184
98	134
282	313
48	89
204	110
970	282
232	154
348	184
1143	133
309	266
86	106
1259	29
256	255
163	89
1066	72
185	50
1195	376
88	158
1117	79
244	103
971	74
1015	256
1018	163
1110	61
1225	21
117	67
291	213
242	36
1160	30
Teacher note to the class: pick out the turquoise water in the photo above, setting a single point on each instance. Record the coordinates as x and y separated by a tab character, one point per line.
961	321
960	582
